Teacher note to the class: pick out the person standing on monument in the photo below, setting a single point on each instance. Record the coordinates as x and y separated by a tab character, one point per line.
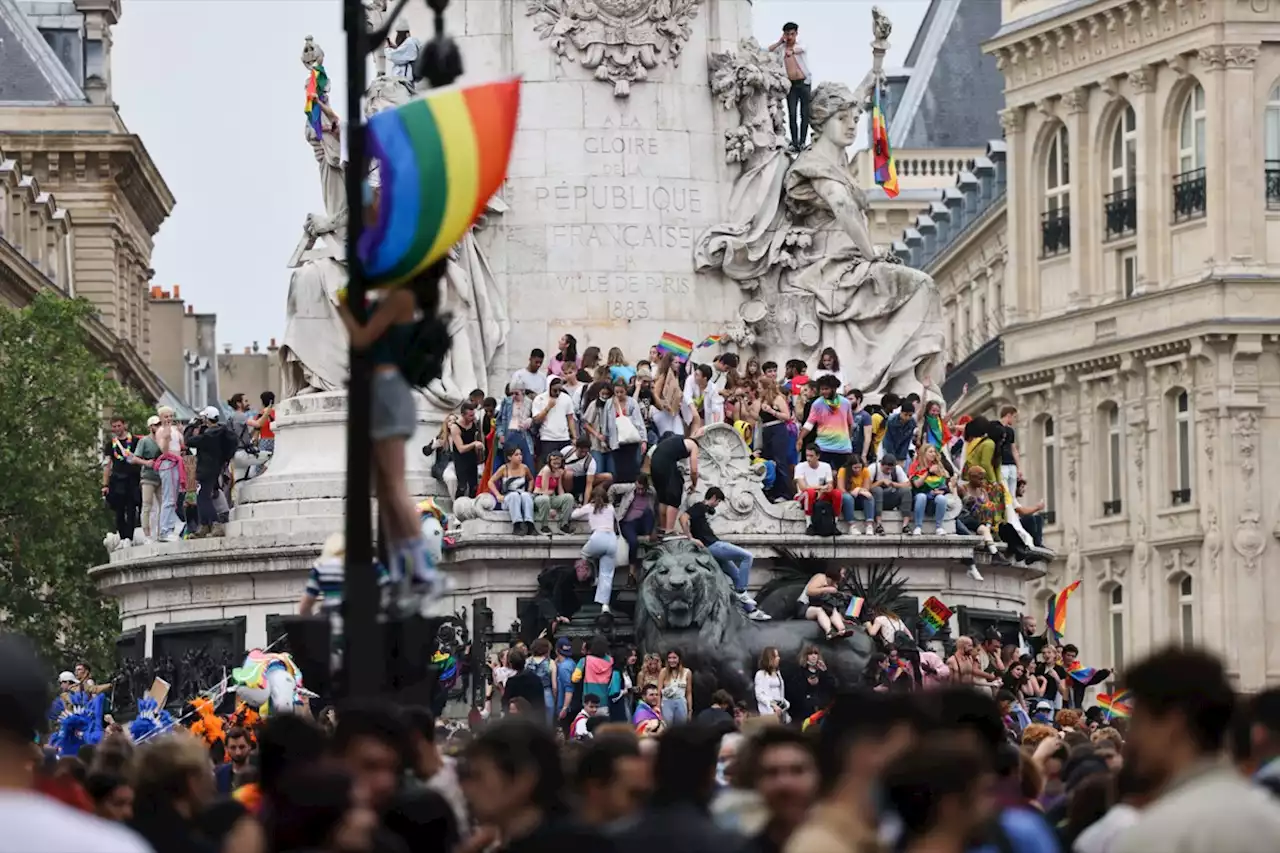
668	483
404	54
794	59
531	377
831	417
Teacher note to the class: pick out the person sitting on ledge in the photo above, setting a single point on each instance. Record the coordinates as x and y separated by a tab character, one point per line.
551	494
510	487
734	561
816	482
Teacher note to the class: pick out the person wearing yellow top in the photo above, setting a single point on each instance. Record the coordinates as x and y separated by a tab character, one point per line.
855	481
980	446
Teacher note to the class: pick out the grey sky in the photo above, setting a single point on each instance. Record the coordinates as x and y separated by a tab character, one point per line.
215	90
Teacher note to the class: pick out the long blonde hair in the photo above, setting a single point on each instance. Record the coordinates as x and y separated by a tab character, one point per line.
616	357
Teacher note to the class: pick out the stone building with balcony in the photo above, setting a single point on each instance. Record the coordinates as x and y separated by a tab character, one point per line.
80	198
1126	292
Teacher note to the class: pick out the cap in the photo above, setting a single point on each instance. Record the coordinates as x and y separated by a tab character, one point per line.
1044	705
402	27
67	675
153	420
564	645
211	412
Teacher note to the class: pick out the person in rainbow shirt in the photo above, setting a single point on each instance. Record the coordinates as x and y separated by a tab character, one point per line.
832	416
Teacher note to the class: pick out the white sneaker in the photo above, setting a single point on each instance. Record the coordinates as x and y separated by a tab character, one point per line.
172	537
870	530
941	531
759	616
991	547
974	573
917	532
745	597
854	531
125	543
604	608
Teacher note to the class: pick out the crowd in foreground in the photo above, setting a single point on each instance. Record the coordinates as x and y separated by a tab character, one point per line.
1195	769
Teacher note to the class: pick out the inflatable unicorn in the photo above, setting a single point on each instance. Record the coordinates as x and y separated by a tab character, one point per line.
79	722
151	720
434	524
271	682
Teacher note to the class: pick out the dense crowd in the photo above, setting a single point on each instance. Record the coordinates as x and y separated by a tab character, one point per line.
1194	768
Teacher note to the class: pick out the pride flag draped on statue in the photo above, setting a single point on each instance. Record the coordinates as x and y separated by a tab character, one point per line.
1056	621
317	85
440	158
886	168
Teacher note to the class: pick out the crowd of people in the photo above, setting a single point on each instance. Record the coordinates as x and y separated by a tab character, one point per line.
175	481
1190	767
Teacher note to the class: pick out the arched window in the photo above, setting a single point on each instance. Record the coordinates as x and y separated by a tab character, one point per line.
1115	628
1272	132
1049	447
1113	460
1191	130
1186	611
1189	184
1122	202
1180	461
1055	222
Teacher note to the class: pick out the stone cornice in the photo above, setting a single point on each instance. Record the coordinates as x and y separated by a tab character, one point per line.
136	173
1084	35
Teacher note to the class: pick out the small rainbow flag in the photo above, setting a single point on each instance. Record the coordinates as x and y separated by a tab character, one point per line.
711	340
680	347
1081	673
440	157
1057	618
813	719
854	610
1116	704
933	616
886	168
317	86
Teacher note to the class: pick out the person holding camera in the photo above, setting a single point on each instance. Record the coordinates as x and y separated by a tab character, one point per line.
214	445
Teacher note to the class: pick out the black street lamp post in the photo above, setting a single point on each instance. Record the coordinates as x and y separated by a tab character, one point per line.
367	644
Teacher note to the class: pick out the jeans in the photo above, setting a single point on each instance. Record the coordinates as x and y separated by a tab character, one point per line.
632	530
1034	525
604	462
777	442
922	502
1009	474
865	503
798	108
891	498
603	544
674	710
562	504
206	502
169	497
735	561
519	505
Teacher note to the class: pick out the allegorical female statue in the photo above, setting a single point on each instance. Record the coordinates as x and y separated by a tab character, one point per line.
885	319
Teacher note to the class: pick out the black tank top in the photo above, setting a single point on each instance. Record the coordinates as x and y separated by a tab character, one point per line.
468	435
670	450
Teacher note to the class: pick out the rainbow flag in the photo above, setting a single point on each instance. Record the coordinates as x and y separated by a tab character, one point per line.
317	86
1081	673
440	158
1116	704
854	610
933	616
813	719
711	340
680	347
886	168
1057	618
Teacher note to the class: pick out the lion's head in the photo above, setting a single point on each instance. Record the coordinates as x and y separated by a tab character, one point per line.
684	589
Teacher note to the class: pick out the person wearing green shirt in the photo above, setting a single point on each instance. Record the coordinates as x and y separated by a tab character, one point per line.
144	455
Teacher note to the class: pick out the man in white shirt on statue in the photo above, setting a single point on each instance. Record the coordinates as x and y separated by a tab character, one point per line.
404	54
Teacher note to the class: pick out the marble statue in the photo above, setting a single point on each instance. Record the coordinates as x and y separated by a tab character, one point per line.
375	16
796	238
620	40
313	355
686	602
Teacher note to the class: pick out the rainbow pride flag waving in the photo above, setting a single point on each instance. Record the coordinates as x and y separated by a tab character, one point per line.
440	158
1116	704
886	168
1056	620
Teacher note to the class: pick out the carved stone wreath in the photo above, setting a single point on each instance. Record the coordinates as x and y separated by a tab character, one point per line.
620	40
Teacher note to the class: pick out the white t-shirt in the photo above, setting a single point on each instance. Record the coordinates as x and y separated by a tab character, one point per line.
584	467
814	477
579	727
555	426
534	383
35	822
898	475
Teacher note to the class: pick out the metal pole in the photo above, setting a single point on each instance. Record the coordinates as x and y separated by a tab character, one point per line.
365	663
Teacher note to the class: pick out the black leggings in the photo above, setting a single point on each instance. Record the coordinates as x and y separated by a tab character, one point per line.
124	500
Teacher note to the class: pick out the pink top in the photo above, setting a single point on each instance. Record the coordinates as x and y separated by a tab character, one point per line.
557	366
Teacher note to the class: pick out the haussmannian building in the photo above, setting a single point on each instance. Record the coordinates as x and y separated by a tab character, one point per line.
1111	267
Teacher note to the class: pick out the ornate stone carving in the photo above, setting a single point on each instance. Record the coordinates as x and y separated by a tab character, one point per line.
725	461
1213	542
1011	120
1241	56
1249	540
1141	549
753	82
1076	101
1214	56
620	40
1071	449
1177	562
1143	79
1246	432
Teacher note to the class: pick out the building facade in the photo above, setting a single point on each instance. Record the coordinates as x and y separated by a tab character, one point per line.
66	149
1120	289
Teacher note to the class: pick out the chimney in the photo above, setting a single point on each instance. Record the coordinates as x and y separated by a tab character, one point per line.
255	346
155	291
191	309
177	292
246	350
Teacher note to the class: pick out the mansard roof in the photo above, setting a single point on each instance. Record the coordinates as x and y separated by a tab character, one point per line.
30	72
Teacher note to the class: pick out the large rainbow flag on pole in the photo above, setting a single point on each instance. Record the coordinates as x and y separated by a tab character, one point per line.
1056	621
440	158
317	86
886	168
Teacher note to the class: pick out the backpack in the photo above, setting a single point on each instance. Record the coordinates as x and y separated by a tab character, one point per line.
823	520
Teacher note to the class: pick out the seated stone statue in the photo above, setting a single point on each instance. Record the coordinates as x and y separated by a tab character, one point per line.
881	316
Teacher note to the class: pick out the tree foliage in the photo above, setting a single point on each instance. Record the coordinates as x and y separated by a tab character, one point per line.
54	394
